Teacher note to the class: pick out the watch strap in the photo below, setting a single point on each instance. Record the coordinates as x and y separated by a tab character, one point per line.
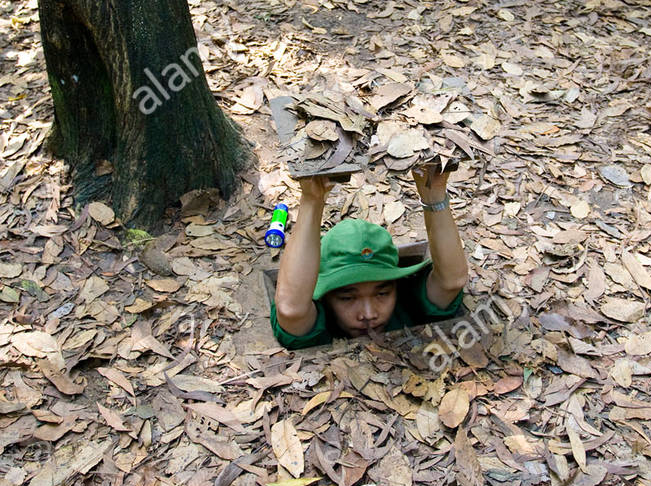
437	206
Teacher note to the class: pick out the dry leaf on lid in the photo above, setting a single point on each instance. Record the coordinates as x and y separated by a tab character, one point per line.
426	109
322	130
405	144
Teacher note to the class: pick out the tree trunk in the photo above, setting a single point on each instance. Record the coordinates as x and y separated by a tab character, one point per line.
129	88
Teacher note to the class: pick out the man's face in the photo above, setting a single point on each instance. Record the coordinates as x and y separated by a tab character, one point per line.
361	306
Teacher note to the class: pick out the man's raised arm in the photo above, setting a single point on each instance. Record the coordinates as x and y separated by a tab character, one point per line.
299	264
450	269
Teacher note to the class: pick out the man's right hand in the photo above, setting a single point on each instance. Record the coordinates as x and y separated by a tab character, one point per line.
316	187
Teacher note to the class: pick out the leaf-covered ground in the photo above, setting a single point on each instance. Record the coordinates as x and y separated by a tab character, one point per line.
131	360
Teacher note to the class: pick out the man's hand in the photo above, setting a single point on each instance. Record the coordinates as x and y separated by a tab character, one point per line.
316	187
431	184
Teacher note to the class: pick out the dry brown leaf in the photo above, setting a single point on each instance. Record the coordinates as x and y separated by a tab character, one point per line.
287	447
164	285
393	469
624	310
638	344
474	355
637	271
645	171
61	380
454	407
72	459
507	384
452	60
101	213
405	143
354	466
622	372
512	68
93	288
218	413
593	475
118	378
427	420
321	398
199	230
580	209
10	270
456	112
113	419
576	365
37	344
191	383
578	451
486	126
505	15
392	211
246	413
322	130
388	93
596	284
140	305
53	432
425	110
467	464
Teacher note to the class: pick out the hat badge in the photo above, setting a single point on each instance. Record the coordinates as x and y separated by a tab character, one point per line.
367	254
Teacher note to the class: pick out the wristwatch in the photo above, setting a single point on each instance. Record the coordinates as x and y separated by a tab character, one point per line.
437	206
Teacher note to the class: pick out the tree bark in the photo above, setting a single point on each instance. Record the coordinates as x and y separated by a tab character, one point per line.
129	88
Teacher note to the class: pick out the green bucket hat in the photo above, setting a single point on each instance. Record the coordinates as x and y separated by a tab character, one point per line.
355	251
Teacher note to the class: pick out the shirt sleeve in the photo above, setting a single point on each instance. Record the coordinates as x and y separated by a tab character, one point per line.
317	336
428	308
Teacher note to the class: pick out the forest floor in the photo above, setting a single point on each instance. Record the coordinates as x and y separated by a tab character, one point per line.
113	374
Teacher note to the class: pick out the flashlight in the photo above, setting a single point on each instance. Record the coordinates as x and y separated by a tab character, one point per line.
275	235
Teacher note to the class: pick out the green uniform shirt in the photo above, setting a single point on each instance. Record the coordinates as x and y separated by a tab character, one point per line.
412	309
